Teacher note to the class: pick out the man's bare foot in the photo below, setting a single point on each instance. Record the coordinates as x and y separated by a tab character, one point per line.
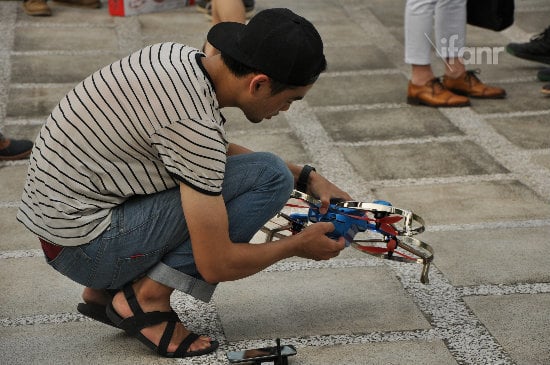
96	296
153	296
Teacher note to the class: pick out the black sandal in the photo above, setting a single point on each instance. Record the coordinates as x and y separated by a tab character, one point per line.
140	320
97	312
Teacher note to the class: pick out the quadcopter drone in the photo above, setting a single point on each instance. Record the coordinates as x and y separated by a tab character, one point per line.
378	228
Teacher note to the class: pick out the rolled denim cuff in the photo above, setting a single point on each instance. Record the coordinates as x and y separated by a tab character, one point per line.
173	278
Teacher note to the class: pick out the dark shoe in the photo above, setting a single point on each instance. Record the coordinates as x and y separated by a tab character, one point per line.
36	8
434	94
537	49
468	84
544	74
140	320
545	89
96	312
13	149
92	4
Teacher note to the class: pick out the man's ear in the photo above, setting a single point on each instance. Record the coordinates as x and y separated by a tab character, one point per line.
259	83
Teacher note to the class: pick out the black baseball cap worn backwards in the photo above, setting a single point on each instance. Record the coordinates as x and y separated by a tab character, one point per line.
276	42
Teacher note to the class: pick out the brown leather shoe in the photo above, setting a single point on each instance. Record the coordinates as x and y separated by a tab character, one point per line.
545	89
82	3
36	8
434	94
470	85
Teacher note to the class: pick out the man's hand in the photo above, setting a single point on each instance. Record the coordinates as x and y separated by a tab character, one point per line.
325	190
315	245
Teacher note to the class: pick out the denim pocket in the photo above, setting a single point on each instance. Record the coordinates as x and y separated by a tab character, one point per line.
130	268
74	264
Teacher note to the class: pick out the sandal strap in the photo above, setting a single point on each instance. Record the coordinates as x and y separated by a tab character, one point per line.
140	319
162	348
130	295
185	344
133	325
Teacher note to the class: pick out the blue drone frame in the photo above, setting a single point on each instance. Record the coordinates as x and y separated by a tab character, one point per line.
394	226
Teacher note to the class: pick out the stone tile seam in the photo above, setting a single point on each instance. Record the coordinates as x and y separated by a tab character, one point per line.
468	340
353	107
404	141
347	339
514	80
83	25
482	289
303	341
364	72
32	85
526	113
263	132
504	289
530	223
443	180
13	163
500	148
38	319
64	52
9	204
530	9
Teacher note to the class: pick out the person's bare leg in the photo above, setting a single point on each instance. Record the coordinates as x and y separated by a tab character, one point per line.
153	296
228	11
454	67
421	74
96	296
225	11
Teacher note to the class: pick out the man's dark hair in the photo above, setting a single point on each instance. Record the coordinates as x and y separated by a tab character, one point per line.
239	69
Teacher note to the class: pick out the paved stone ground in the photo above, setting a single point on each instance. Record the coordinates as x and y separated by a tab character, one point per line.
479	176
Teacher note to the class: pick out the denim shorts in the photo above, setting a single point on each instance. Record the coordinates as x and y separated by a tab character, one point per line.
148	234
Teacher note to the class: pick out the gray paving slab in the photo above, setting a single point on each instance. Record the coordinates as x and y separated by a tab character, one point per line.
364	125
345	58
521	96
469	203
55	68
402	353
30	131
317	301
12	178
542	161
30	277
492	256
430	159
533	22
527	132
14	235
32	38
35	101
73	343
519	322
356	89
272	142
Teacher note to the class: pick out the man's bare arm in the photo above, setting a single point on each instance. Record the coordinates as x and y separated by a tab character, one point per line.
218	259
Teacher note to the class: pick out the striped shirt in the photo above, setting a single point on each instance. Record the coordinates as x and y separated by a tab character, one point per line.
138	126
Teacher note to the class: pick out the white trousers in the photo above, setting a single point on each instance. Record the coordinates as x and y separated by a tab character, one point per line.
444	20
